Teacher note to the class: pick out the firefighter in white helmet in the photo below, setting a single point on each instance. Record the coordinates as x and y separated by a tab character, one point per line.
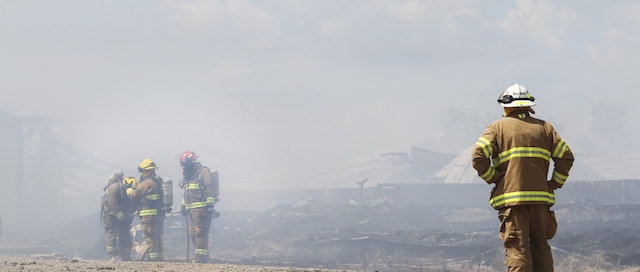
514	154
117	214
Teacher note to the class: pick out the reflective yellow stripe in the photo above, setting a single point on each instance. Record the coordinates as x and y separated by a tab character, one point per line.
560	149
486	146
487	176
523	152
119	215
211	200
111	249
192	186
202	251
148	212
559	178
526	196
152	197
195	205
155	255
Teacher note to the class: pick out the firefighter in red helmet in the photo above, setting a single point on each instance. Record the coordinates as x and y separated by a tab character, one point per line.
200	186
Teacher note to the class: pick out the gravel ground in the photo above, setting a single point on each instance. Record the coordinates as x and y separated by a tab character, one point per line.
16	263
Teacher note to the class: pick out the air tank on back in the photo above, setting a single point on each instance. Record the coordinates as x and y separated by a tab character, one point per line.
167	193
115	177
216	183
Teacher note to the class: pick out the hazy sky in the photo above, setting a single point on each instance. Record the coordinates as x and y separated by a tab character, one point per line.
272	89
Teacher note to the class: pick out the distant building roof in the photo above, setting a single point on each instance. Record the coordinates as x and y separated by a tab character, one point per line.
585	167
459	170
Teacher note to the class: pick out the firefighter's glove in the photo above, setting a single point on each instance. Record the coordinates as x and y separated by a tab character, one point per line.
552	185
183	211
499	177
167	209
129	190
211	201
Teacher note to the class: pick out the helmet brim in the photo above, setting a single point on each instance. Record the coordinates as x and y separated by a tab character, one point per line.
518	104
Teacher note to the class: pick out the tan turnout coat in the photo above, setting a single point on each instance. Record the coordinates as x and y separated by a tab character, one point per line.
521	147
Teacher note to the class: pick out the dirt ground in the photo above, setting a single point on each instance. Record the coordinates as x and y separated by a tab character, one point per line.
13	263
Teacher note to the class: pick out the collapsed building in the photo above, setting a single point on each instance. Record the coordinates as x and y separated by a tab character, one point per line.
48	180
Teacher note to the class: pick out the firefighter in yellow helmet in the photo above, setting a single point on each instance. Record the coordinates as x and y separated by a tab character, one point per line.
148	195
200	186
117	213
514	154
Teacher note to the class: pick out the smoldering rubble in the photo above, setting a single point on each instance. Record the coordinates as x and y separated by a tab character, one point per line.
321	234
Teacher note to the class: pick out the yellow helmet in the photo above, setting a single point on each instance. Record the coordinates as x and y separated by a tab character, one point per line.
130	182
147	164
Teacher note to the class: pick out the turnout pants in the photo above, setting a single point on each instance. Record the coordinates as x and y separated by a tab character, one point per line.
199	226
152	235
117	237
524	230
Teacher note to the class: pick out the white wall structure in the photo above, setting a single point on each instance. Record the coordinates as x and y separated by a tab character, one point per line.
9	171
44	181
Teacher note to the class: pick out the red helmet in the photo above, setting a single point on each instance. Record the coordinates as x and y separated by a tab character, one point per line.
187	158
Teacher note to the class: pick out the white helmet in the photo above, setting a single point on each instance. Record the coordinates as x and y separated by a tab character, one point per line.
516	96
